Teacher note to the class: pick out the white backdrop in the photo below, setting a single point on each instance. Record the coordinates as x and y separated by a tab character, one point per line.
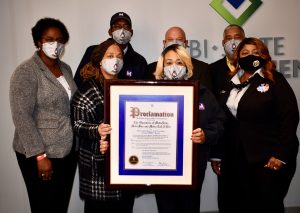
88	23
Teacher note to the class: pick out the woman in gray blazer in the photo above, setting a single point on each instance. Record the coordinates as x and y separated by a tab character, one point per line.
40	92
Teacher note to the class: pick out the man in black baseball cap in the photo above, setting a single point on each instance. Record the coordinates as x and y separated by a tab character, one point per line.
121	28
118	16
135	65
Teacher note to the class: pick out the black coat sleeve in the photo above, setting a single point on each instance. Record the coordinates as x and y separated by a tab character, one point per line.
211	116
85	59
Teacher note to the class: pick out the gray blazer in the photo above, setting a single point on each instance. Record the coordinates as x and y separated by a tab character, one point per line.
40	109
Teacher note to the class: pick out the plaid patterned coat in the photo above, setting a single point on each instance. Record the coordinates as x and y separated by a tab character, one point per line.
88	113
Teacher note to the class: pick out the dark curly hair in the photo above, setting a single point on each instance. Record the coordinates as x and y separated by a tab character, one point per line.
46	23
269	66
92	69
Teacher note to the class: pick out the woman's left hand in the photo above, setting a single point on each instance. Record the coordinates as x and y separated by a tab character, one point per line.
274	164
103	146
198	136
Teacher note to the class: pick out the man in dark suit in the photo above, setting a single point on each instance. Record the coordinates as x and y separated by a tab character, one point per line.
176	35
135	65
232	36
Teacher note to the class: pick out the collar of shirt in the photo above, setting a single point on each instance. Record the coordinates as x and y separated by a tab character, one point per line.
235	94
125	50
236	78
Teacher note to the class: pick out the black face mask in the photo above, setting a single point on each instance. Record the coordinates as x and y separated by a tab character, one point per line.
251	63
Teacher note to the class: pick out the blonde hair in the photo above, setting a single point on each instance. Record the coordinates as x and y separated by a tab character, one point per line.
183	55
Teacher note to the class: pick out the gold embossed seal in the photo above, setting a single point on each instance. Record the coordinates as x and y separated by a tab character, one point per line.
133	159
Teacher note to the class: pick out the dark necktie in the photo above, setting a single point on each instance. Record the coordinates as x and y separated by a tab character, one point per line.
245	83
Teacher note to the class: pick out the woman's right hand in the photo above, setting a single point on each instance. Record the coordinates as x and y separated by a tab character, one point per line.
44	167
104	130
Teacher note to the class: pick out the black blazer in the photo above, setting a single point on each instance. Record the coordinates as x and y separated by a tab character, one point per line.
219	75
266	122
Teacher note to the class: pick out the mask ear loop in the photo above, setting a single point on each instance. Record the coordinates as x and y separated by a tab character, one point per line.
184	76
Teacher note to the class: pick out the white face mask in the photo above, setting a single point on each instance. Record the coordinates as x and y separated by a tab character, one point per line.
112	65
230	46
122	36
175	41
53	49
175	72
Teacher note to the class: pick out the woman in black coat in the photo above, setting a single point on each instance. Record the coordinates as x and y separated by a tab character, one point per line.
259	148
175	64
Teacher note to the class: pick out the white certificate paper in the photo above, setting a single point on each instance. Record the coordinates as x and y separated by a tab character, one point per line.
150	143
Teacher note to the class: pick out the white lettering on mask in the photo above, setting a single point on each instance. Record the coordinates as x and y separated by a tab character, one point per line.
112	65
230	46
175	72
122	36
53	49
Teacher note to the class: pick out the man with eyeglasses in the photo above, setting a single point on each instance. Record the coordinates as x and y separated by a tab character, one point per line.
220	71
135	65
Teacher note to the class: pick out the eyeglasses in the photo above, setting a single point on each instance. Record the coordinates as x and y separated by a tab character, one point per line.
124	26
51	39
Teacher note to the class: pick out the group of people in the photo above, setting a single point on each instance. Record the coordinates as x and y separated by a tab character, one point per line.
248	118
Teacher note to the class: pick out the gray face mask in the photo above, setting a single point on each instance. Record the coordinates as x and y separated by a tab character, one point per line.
112	65
230	46
122	36
175	72
53	49
175	41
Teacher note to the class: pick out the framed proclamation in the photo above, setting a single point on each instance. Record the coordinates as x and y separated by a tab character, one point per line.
150	143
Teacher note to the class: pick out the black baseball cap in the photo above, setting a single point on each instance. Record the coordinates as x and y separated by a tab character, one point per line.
118	16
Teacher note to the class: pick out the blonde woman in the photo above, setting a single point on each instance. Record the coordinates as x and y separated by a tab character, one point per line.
175	64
